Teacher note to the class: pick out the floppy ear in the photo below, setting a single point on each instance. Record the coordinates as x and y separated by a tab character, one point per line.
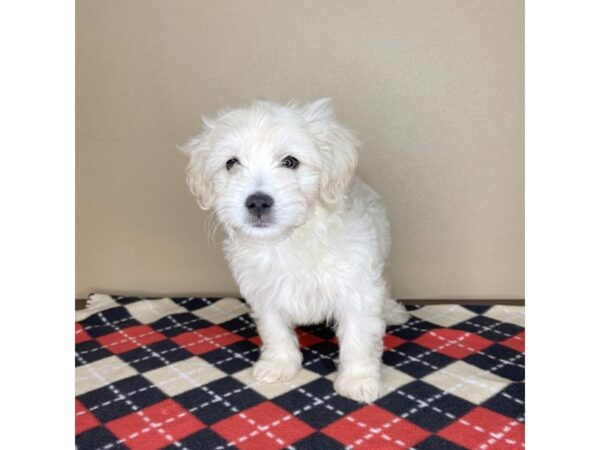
198	173
338	148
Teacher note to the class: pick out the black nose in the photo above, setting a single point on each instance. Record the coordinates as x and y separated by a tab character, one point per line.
259	204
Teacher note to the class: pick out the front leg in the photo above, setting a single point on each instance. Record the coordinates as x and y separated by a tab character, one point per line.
280	358
360	335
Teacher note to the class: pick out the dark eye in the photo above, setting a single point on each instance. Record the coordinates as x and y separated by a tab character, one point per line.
290	162
232	162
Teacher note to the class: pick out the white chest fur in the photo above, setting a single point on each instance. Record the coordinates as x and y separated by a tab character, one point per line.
319	269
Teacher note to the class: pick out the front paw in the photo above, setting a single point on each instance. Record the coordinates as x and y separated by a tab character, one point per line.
361	388
270	370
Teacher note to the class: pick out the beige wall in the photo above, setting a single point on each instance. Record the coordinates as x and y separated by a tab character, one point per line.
435	89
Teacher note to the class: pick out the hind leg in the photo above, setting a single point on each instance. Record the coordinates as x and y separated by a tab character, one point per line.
394	312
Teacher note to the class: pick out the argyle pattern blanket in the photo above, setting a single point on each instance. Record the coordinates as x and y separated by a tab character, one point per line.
175	373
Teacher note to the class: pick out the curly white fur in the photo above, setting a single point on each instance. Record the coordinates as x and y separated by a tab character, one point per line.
319	254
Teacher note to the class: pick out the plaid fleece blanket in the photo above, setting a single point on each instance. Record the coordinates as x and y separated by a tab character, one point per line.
175	373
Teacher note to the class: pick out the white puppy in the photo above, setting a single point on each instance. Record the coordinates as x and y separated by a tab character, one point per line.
306	239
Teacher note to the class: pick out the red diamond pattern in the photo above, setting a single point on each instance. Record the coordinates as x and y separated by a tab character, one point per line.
305	339
130	338
206	339
265	426
256	340
390	341
482	428
454	343
156	426
84	420
516	342
80	334
156	409
374	428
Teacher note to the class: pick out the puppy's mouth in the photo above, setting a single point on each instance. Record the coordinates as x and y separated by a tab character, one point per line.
260	223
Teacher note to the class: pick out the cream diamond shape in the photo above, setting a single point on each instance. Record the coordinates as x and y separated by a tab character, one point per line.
443	315
101	373
223	310
96	303
183	376
147	311
272	390
467	382
392	379
505	313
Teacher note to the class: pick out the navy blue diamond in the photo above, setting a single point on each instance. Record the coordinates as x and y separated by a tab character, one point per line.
111	402
192	303
153	356
501	360
90	351
180	323
233	358
320	357
127	300
118	318
509	402
478	309
115	315
438	443
97	438
501	332
318	441
425	405
477	324
399	404
412	329
415	360
96	331
241	325
220	399
319	403
203	439
494	331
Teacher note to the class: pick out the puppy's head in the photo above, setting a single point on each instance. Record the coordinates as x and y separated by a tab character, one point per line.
265	167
